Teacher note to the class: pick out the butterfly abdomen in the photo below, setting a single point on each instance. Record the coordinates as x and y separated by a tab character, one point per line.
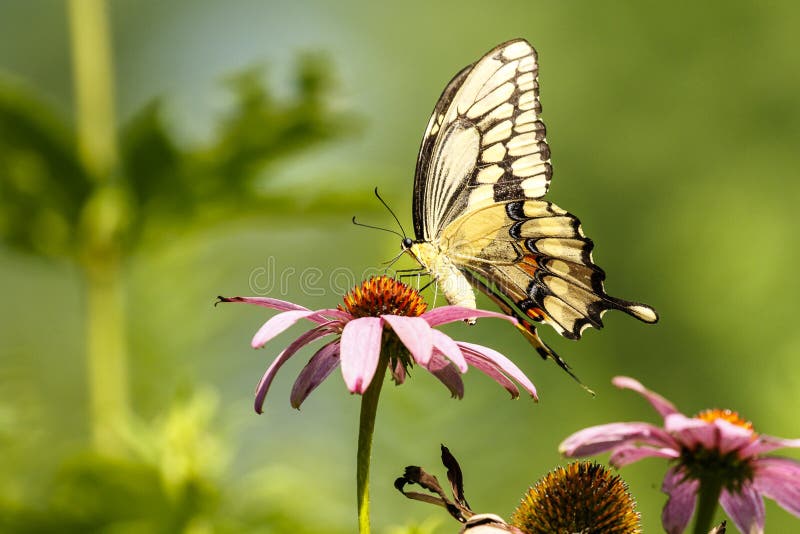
453	284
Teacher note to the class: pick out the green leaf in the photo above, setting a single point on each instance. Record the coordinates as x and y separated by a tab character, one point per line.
154	165
178	186
261	130
42	184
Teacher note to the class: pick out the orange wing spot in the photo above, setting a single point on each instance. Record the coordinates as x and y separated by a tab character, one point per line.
528	264
536	314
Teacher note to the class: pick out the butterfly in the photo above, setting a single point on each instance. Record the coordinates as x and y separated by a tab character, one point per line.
479	218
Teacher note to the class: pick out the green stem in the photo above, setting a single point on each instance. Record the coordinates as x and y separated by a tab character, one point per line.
102	222
366	428
707	501
106	353
94	87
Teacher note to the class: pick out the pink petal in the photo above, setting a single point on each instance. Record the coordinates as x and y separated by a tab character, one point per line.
692	432
681	503
732	437
359	352
265	302
779	479
415	334
506	365
601	438
328	314
492	371
745	508
282	305
318	368
445	344
449	314
661	405
766	443
719	434
627	454
288	352
276	325
447	374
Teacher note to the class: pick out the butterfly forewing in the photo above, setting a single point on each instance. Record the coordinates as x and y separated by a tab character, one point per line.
484	142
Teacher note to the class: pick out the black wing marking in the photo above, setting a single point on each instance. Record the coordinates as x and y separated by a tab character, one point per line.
426	148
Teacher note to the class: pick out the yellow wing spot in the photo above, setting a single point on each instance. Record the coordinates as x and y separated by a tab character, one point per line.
491	101
526	82
499	132
527	100
516	50
527	64
494	153
489	175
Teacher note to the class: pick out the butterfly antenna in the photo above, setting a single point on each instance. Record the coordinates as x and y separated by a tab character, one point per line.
390	211
378	228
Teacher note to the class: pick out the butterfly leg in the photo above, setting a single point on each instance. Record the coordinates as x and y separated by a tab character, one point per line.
426	286
417	275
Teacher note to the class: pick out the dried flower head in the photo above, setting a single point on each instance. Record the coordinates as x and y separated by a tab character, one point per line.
583	497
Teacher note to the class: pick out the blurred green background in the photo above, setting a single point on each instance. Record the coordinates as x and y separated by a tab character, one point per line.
248	133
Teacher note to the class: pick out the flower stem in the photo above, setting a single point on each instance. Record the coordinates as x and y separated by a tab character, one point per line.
102	221
366	429
94	87
707	500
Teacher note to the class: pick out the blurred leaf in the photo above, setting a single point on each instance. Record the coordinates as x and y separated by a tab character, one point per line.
261	130
42	184
173	482
153	164
182	186
90	493
44	188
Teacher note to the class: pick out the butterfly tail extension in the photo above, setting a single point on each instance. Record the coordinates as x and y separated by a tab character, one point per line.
527	330
639	310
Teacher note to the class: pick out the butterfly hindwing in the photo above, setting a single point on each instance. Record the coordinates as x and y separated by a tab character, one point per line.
536	255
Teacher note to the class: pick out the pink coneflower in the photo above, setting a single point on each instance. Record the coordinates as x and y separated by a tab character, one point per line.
382	313
382	324
716	456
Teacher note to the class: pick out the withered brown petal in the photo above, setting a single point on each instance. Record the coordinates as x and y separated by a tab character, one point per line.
455	477
416	475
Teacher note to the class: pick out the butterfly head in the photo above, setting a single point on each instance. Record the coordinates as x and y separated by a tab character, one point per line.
414	249
422	252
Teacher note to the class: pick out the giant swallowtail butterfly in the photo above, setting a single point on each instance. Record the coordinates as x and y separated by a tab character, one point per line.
479	217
